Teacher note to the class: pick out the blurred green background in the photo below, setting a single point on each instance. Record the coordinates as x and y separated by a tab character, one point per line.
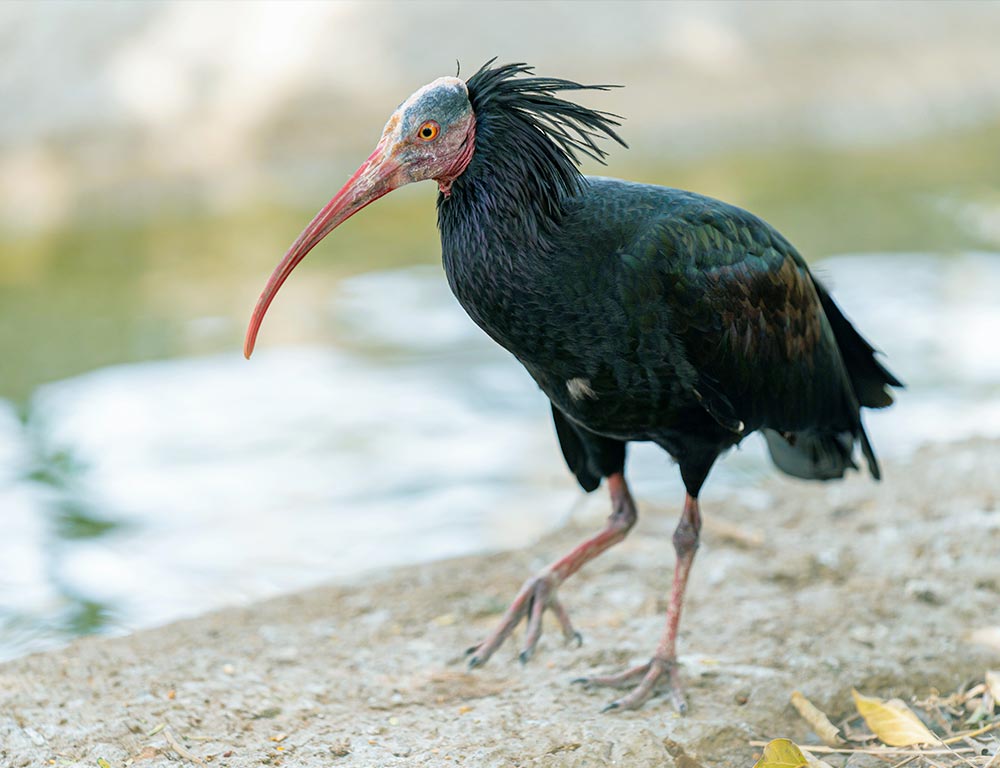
156	159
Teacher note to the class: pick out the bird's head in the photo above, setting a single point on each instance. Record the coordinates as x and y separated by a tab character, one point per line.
431	135
532	136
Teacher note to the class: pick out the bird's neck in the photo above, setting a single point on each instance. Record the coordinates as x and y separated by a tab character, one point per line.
494	217
510	195
496	242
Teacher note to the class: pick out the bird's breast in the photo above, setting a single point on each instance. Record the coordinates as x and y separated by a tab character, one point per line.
619	401
566	314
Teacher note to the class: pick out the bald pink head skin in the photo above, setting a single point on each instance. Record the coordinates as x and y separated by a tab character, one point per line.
430	136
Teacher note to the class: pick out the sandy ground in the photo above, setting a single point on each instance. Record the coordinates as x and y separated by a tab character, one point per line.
799	586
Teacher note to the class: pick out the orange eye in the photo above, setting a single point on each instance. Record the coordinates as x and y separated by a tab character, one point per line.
429	131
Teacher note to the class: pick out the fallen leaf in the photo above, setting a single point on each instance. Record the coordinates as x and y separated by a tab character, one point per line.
179	748
817	719
993	684
782	753
987	636
893	722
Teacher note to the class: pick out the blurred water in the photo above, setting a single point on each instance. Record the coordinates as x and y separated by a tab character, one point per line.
139	493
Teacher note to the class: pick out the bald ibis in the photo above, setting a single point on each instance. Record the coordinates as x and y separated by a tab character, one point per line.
644	314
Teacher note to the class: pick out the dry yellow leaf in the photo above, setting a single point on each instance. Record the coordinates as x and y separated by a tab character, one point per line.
892	721
782	753
987	636
817	719
993	684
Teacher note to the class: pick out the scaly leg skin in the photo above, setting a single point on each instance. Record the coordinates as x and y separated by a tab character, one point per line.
647	677
539	592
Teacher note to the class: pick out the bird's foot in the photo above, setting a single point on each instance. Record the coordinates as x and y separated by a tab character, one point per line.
647	679
537	594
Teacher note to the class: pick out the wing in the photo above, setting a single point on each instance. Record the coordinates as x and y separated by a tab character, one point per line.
748	314
700	307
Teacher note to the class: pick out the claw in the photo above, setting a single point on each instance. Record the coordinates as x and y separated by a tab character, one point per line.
612	706
678	701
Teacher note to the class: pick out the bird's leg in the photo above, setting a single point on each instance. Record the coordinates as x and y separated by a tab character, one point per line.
646	677
539	592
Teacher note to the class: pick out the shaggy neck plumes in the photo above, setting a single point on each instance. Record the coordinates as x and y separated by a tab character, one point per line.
527	151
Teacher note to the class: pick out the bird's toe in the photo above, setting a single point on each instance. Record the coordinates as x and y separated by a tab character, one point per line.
645	681
537	595
478	655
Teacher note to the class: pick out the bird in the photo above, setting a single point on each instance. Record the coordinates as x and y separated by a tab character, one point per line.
643	313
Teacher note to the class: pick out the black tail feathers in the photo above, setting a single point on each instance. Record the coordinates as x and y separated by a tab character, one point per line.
819	455
869	452
811	455
869	378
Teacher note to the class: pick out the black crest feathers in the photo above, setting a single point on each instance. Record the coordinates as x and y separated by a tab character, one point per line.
535	135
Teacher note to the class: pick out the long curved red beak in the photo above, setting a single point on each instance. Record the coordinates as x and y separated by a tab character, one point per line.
376	177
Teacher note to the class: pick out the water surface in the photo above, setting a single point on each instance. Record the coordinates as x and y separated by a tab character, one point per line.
142	492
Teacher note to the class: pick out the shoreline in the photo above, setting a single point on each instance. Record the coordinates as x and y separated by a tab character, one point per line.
804	586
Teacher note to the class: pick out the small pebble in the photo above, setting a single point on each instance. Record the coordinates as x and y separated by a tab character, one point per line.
36	738
924	591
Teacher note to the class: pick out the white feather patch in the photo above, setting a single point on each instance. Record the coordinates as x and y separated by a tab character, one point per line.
580	388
